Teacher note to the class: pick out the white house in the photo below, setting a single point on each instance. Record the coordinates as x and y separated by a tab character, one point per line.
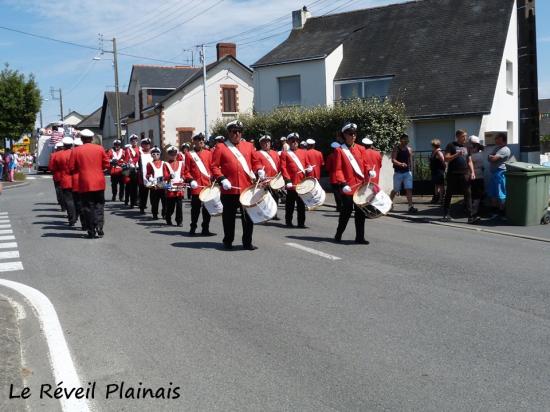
454	64
171	113
107	120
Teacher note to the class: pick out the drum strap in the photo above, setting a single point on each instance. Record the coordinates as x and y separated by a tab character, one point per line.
200	164
145	158
269	159
352	160
297	161
117	155
176	173
157	171
240	158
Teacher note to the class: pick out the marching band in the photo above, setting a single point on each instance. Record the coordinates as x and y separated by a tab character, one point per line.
232	176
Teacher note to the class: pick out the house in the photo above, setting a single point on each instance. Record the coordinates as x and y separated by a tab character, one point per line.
169	101
107	121
92	122
71	119
454	64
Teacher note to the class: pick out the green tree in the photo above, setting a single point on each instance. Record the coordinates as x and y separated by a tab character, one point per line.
19	102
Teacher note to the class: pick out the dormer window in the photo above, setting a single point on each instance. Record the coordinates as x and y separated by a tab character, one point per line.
362	88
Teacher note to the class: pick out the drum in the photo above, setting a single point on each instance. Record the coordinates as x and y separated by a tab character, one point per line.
125	169
210	198
370	195
277	183
258	203
176	187
311	192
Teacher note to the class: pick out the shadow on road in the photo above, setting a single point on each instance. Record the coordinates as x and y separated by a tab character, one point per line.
52	222
61	227
75	235
202	245
52	216
46	210
46	204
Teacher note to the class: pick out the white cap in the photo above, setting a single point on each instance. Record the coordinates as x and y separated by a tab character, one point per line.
133	136
235	124
475	139
127	146
116	141
335	145
310	141
219	138
265	137
367	141
172	149
283	139
78	141
155	150
293	135
67	140
303	143
348	126
146	140
58	145
87	133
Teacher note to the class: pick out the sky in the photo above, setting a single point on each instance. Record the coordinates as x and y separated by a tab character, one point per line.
167	31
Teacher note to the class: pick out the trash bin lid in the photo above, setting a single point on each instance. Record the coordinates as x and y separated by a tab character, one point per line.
525	167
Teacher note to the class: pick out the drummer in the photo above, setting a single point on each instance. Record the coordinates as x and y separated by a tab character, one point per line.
295	168
232	165
155	177
145	157
350	168
270	164
116	157
131	159
173	174
198	173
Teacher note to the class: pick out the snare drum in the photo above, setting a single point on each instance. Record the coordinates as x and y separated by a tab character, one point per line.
311	192
371	194
277	183
258	203
210	198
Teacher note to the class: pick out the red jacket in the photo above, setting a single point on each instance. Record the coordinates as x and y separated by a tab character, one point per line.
344	172
291	172
60	166
167	175
329	165
268	168
315	157
192	171
225	164
89	161
374	161
116	170
51	166
130	157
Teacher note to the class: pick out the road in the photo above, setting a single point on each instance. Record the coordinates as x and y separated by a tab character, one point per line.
425	318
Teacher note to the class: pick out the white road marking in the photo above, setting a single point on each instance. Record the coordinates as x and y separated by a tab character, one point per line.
11	266
2	238
31	177
4	221
5	226
313	251
12	254
6	232
8	245
60	357
3	213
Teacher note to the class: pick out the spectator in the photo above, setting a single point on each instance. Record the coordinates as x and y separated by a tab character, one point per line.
478	184
497	186
437	168
401	157
1	167
460	171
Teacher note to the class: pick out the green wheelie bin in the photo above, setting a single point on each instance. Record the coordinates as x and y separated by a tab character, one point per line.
527	193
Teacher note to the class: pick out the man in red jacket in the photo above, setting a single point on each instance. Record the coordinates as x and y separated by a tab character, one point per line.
89	161
351	171
57	175
315	159
61	166
374	159
116	156
330	164
131	159
232	165
198	172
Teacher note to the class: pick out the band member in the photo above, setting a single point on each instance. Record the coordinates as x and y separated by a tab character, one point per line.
61	165
198	174
232	166
174	175
284	147
218	140
374	159
270	164
351	171
76	191
295	168
116	155
315	159
155	177
303	145
182	155
144	159
57	175
330	164
131	159
89	161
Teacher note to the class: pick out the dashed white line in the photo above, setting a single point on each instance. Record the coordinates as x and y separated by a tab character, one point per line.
313	251
4	221
11	266
3	213
12	254
5	226
9	237
8	245
6	232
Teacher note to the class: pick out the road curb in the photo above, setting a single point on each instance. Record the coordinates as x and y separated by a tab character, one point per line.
471	228
15	185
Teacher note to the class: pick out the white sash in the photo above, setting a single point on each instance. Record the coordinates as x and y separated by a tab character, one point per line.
297	161
200	164
145	158
177	173
157	172
117	156
241	159
269	159
352	160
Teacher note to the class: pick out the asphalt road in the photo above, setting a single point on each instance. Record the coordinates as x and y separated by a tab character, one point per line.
425	318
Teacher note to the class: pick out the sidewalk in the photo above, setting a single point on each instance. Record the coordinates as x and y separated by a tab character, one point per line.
432	214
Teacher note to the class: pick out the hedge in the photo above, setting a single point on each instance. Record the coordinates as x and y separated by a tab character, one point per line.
383	121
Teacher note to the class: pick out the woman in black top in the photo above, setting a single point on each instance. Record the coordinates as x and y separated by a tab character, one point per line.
437	167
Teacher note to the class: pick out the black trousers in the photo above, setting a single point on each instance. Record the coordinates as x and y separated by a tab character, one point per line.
93	204
458	183
78	209
131	190
291	199
69	204
59	195
230	205
345	213
196	206
336	190
174	203
143	194
156	196
117	186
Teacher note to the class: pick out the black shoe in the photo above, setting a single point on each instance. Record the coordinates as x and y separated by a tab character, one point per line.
155	217
169	223
302	227
413	209
290	225
141	211
338	237
72	223
192	232
125	203
100	233
473	220
113	198
362	242
120	199
179	225
207	233
250	247
91	234
276	218
227	245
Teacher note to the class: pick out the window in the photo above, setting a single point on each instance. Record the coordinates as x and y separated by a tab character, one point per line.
149	97
510	129
362	89
140	98
509	77
229	99
545	115
151	135
290	92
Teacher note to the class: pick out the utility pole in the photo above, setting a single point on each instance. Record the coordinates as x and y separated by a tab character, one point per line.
203	60
60	98
117	92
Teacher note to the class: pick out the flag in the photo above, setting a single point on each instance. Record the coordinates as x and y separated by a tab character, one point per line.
56	137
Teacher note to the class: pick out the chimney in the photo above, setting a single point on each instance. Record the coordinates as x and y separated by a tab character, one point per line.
299	18
225	49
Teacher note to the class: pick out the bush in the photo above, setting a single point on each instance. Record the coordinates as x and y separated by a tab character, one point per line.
19	176
384	121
